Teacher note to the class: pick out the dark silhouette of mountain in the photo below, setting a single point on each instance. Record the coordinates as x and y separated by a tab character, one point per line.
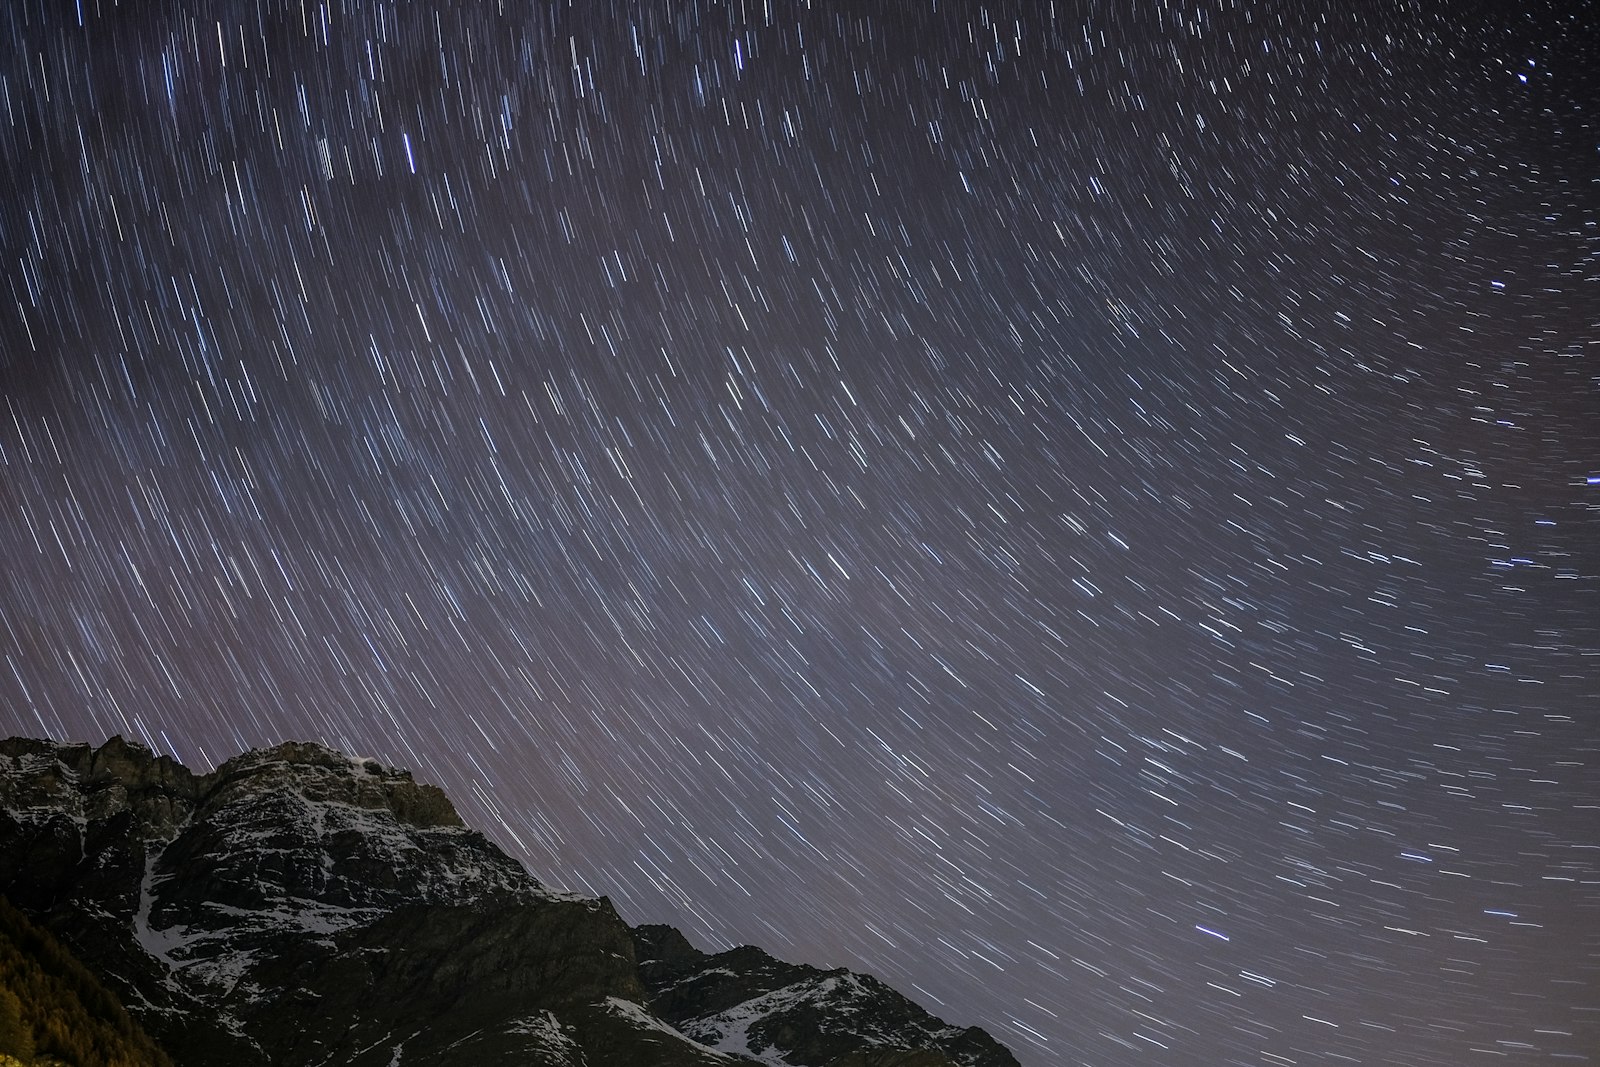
296	906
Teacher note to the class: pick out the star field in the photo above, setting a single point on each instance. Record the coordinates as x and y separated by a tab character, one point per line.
1087	511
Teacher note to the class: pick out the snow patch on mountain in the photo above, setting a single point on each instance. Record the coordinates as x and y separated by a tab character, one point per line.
552	1037
729	1031
643	1020
159	943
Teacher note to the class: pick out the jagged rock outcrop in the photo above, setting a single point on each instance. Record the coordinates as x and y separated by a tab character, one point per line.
85	783
296	906
745	1001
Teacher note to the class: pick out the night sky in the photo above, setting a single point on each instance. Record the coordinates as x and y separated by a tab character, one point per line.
1087	511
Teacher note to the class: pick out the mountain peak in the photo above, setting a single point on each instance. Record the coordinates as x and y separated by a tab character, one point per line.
87	783
159	793
298	906
307	753
323	774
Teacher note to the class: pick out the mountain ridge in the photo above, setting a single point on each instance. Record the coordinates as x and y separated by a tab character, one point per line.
296	905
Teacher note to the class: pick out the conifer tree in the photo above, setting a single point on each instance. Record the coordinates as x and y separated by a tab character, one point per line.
16	1040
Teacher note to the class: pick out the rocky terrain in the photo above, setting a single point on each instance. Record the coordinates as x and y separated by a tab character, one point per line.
296	906
743	1000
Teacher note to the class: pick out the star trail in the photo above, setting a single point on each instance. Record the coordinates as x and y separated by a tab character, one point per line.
1088	511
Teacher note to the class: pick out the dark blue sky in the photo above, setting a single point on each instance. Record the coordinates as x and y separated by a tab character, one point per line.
1087	515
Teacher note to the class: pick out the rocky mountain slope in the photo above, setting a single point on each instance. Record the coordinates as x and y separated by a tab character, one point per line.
299	907
744	1001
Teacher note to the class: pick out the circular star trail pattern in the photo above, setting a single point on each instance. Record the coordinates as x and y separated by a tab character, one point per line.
1086	511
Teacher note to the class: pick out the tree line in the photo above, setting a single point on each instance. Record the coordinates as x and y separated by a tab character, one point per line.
54	1012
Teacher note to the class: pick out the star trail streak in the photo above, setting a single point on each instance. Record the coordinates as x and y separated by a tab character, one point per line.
1087	511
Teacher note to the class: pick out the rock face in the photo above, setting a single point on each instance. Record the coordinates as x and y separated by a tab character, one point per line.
745	1002
297	906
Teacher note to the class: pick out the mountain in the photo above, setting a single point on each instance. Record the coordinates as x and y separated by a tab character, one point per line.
297	906
744	1001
